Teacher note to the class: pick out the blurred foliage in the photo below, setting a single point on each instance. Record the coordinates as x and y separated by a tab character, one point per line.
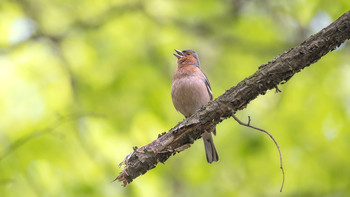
82	82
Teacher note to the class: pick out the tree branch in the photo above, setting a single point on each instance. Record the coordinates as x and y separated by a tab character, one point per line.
267	77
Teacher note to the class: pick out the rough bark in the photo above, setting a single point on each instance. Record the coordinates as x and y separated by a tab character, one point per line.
267	77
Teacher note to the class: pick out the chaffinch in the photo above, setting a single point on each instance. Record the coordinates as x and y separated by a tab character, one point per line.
190	90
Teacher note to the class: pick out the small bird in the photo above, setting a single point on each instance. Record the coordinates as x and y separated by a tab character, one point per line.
190	90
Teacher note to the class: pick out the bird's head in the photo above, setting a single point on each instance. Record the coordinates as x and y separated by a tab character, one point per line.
187	57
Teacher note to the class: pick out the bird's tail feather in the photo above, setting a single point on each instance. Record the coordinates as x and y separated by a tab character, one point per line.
209	146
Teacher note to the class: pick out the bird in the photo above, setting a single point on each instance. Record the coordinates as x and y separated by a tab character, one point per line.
190	90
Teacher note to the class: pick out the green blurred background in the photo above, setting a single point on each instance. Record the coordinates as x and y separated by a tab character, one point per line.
82	82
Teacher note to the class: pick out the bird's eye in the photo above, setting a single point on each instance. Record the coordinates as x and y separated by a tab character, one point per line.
188	53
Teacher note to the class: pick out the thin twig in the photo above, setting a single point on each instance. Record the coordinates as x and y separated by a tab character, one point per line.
262	130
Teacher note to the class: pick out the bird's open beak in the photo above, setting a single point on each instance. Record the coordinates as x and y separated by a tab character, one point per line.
178	54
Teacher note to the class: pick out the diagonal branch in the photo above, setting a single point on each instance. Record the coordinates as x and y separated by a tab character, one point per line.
267	77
